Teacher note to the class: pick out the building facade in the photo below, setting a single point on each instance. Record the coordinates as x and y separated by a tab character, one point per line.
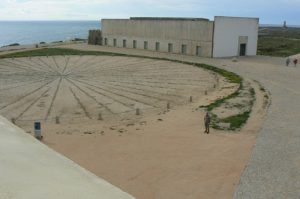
223	37
235	36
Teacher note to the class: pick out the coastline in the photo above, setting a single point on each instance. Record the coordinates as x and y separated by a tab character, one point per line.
11	49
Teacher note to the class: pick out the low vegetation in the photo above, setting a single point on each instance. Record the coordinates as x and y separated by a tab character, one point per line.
235	121
277	41
52	52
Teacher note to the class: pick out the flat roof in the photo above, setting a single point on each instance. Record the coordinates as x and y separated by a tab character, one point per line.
169	18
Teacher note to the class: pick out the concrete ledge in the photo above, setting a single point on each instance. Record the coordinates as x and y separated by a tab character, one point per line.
31	170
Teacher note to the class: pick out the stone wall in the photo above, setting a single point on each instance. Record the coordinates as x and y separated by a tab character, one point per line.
95	37
175	35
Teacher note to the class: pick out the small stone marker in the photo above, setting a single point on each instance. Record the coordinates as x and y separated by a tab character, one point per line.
137	112
37	130
13	120
191	98
215	86
205	92
168	105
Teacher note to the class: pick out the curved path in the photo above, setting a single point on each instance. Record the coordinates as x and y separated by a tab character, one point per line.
273	170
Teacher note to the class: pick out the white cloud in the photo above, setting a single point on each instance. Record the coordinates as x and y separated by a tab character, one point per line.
96	9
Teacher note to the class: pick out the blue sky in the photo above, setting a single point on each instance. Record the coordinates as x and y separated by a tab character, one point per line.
269	12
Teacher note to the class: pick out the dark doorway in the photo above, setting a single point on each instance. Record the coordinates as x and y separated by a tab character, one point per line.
199	51
242	49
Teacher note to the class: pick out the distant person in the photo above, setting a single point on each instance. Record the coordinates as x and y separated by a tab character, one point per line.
295	62
206	122
287	61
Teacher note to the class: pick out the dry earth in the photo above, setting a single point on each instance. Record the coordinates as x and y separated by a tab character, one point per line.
82	87
158	154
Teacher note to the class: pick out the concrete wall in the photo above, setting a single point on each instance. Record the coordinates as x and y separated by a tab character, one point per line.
95	37
229	32
31	170
191	33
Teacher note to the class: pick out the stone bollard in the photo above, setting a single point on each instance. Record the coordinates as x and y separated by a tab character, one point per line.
100	116
137	112
168	105
37	130
191	98
57	121
205	92
215	86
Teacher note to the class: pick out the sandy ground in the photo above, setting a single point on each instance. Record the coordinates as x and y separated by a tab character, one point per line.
160	154
79	88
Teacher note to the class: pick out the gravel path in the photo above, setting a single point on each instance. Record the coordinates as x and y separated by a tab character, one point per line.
273	170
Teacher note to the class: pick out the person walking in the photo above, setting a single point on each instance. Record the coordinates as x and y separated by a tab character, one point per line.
206	122
287	61
295	62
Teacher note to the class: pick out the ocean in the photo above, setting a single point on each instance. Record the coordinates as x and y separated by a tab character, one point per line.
32	32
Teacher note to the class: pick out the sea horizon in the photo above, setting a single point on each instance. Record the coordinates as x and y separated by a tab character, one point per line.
35	31
27	32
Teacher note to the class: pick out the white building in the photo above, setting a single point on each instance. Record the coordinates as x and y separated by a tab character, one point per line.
223	37
235	36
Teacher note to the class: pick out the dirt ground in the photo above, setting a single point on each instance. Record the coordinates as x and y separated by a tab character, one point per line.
158	154
80	88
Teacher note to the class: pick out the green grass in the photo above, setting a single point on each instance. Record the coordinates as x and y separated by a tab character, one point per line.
278	41
237	121
53	52
278	46
220	101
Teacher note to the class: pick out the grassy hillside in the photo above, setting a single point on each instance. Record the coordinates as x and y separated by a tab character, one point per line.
276	41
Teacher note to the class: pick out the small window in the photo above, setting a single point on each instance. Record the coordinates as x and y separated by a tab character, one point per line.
183	49
145	44
124	43
134	43
115	42
157	45
105	41
170	47
199	51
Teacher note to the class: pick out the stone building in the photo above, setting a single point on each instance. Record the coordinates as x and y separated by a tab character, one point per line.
223	37
95	37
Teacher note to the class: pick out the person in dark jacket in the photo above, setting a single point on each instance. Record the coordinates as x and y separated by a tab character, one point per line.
207	122
295	62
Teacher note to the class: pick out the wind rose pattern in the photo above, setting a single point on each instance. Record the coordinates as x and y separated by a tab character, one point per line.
71	87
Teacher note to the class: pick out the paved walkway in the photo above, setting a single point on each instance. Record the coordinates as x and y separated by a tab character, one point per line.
31	170
274	168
